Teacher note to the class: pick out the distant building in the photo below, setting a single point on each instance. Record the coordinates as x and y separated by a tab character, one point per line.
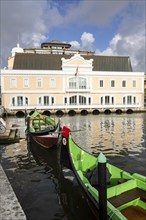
55	77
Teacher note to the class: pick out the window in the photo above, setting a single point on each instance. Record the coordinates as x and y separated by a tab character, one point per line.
129	99
46	100
26	83
89	100
26	101
65	100
124	100
52	100
13	83
13	101
40	100
112	83
123	83
101	83
19	101
134	83
107	100
39	83
77	83
52	83
73	100
82	83
82	100
72	83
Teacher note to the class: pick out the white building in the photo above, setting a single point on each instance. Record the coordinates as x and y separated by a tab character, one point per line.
56	78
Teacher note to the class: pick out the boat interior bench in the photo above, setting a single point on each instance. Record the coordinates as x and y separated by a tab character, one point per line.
128	196
125	192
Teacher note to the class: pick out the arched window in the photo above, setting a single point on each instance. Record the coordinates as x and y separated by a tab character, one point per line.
73	100
129	99
19	101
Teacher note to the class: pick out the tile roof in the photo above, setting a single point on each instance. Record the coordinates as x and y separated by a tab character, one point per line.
28	61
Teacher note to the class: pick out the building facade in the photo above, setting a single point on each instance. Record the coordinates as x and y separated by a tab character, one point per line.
56	78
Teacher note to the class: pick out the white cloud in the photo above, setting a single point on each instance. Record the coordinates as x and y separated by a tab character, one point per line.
75	45
34	41
132	46
130	40
87	41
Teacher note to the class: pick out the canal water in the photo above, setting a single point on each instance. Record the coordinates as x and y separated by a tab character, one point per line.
47	194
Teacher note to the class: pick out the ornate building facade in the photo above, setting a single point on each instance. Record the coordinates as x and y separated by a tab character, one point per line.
56	78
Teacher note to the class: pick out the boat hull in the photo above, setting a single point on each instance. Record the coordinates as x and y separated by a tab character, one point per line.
47	141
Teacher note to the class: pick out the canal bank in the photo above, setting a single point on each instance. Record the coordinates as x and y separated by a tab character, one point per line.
10	208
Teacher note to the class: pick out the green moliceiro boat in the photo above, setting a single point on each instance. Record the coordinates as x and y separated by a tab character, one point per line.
126	192
39	124
42	131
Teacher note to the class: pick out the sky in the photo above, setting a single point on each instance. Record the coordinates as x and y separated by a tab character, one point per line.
107	27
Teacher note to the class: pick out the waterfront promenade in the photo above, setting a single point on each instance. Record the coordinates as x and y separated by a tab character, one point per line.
10	208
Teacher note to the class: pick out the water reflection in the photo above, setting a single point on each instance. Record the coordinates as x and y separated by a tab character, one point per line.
122	136
119	137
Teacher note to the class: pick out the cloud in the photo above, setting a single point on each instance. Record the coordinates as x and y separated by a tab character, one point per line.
21	21
130	39
95	13
75	45
31	22
87	41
